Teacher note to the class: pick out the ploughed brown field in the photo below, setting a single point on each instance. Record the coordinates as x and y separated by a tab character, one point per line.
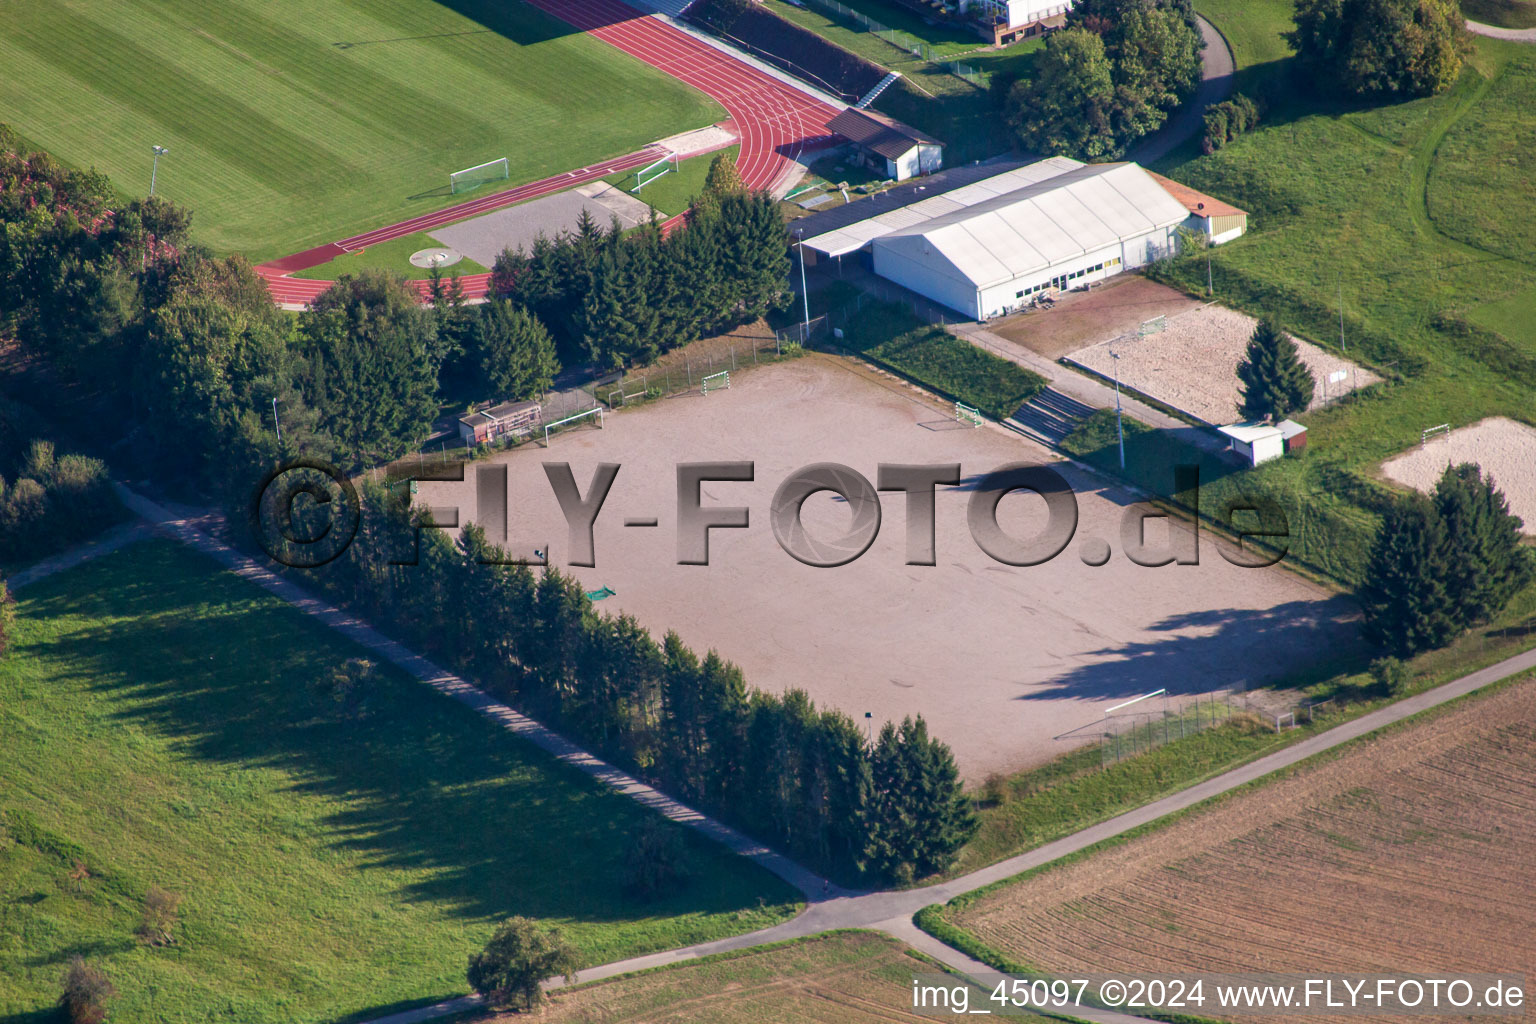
1411	853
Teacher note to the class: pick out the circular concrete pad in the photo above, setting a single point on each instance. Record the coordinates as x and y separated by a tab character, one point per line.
429	258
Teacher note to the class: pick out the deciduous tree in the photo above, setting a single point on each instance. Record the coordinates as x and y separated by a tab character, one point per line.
519	956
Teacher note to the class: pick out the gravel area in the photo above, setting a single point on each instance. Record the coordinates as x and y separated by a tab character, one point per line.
1001	660
1192	366
483	238
1505	448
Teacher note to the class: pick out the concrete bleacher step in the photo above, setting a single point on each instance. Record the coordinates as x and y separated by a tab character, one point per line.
674	8
1050	416
874	94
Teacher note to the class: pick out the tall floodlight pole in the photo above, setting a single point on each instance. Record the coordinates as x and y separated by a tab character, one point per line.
805	295
1119	423
275	422
155	168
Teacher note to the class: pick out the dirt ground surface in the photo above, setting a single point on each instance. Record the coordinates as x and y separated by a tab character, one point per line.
1192	366
1410	853
1116	307
1505	448
999	659
848	978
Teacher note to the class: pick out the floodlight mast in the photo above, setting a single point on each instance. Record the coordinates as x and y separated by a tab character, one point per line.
155	168
1119	423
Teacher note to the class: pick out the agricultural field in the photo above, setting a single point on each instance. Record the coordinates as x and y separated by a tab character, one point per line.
1422	833
838	978
161	727
290	124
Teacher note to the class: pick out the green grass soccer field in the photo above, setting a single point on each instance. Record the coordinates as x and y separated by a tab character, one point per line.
291	124
159	724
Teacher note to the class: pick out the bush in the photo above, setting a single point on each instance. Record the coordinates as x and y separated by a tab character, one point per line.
1227	120
162	912
7	617
520	955
659	863
87	991
346	690
1380	48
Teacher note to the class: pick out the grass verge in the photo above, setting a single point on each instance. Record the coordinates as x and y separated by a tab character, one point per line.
393	256
160	726
888	334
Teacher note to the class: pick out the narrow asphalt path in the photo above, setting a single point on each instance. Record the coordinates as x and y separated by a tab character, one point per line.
890	912
1216	80
1518	35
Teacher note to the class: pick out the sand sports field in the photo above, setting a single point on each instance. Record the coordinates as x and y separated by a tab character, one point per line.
1505	448
1408	854
1192	365
1000	659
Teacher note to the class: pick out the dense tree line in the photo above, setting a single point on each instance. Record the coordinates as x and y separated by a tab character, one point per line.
1380	48
623	300
1443	563
1110	77
802	778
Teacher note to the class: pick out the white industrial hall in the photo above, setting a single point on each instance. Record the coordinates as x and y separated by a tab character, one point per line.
992	246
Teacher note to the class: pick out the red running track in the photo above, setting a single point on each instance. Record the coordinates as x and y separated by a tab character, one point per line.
775	123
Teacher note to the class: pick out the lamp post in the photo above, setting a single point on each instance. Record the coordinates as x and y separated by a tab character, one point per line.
155	169
805	295
1119	423
275	422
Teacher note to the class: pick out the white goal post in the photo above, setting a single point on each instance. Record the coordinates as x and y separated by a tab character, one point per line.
968	414
551	428
473	177
1430	433
717	381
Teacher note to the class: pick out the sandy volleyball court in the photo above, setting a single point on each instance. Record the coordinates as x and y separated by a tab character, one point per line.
1192	366
1000	659
1505	448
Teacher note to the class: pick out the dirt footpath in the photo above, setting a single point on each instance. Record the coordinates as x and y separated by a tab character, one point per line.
1000	659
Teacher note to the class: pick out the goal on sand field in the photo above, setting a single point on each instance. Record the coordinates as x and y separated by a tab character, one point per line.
556	426
473	177
967	414
716	381
1429	433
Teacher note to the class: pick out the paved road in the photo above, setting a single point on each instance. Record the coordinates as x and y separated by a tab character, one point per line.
890	912
1519	35
118	536
1216	70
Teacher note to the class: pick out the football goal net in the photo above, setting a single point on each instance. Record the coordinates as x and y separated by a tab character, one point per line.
473	177
968	414
716	382
550	429
645	175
